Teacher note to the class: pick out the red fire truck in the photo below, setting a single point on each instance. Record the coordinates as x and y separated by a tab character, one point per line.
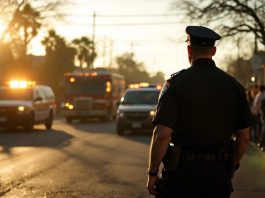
92	94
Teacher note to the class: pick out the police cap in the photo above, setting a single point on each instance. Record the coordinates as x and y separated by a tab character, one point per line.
201	36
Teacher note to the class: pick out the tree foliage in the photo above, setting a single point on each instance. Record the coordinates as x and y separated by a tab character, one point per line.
134	72
159	77
24	18
85	49
59	59
241	69
23	28
231	17
6	60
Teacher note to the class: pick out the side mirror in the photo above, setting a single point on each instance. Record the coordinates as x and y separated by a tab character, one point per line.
37	99
118	103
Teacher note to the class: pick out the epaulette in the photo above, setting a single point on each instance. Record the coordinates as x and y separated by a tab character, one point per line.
176	74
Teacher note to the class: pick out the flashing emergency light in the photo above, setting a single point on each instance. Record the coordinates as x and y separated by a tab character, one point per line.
82	74
69	106
93	74
159	87
134	86
144	84
72	79
108	87
23	84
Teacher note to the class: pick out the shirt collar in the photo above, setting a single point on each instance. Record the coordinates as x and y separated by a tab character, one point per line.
203	62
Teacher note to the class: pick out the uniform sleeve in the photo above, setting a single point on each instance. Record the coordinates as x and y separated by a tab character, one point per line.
244	116
167	109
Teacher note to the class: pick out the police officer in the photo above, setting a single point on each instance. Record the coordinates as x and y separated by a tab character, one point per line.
199	110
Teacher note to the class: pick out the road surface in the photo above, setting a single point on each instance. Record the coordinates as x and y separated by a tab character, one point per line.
88	159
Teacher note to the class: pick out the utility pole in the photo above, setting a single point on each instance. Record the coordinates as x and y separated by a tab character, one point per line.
132	46
104	52
110	53
93	36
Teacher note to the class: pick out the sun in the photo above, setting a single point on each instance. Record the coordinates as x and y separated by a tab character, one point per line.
2	27
35	47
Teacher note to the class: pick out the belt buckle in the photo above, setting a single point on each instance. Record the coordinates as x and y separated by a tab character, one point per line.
208	157
191	157
199	156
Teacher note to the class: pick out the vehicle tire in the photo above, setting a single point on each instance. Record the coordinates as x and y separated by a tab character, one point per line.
120	130
49	121
30	123
68	119
108	117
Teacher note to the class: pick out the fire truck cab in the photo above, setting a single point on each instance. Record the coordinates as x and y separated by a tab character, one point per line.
92	94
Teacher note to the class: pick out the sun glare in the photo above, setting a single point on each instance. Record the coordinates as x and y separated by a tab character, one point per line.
2	26
36	47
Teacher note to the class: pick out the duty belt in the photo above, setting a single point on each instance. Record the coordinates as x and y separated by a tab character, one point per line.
204	156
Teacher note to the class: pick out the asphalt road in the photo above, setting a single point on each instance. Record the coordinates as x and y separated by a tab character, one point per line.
79	160
88	159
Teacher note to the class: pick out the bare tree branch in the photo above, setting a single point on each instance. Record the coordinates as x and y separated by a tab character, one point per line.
232	17
24	18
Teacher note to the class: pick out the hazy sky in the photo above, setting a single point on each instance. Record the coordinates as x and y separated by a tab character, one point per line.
148	28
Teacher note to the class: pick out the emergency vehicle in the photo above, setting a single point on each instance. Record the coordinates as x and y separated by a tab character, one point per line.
92	94
137	108
24	103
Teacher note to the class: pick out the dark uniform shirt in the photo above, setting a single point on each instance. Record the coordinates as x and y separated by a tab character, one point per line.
203	105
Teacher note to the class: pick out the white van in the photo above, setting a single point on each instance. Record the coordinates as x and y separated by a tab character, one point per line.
23	103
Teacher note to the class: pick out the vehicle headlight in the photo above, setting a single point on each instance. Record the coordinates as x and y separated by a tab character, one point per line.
21	108
121	114
152	113
69	106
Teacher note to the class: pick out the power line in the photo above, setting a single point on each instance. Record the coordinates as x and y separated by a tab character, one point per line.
126	15
116	2
143	41
140	15
131	24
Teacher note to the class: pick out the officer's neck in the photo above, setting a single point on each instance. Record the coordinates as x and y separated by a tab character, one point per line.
196	57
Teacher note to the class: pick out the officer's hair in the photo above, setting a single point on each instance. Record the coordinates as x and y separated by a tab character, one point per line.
201	50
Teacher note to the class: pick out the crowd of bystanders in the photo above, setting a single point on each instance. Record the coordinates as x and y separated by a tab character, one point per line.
256	99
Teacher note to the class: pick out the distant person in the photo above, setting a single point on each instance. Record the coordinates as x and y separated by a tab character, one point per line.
255	90
250	99
257	111
200	109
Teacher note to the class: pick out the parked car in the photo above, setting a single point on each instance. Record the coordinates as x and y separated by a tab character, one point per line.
137	109
24	103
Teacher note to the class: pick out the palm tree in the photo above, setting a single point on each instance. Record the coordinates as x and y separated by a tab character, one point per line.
85	52
24	26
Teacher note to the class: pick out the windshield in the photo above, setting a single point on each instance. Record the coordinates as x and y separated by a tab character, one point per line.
88	86
15	94
141	97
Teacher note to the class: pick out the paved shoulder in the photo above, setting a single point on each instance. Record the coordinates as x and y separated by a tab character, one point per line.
249	181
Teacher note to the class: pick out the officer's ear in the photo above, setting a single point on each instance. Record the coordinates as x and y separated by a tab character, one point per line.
189	49
213	51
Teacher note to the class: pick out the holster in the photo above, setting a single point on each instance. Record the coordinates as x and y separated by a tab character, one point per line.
171	158
231	158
